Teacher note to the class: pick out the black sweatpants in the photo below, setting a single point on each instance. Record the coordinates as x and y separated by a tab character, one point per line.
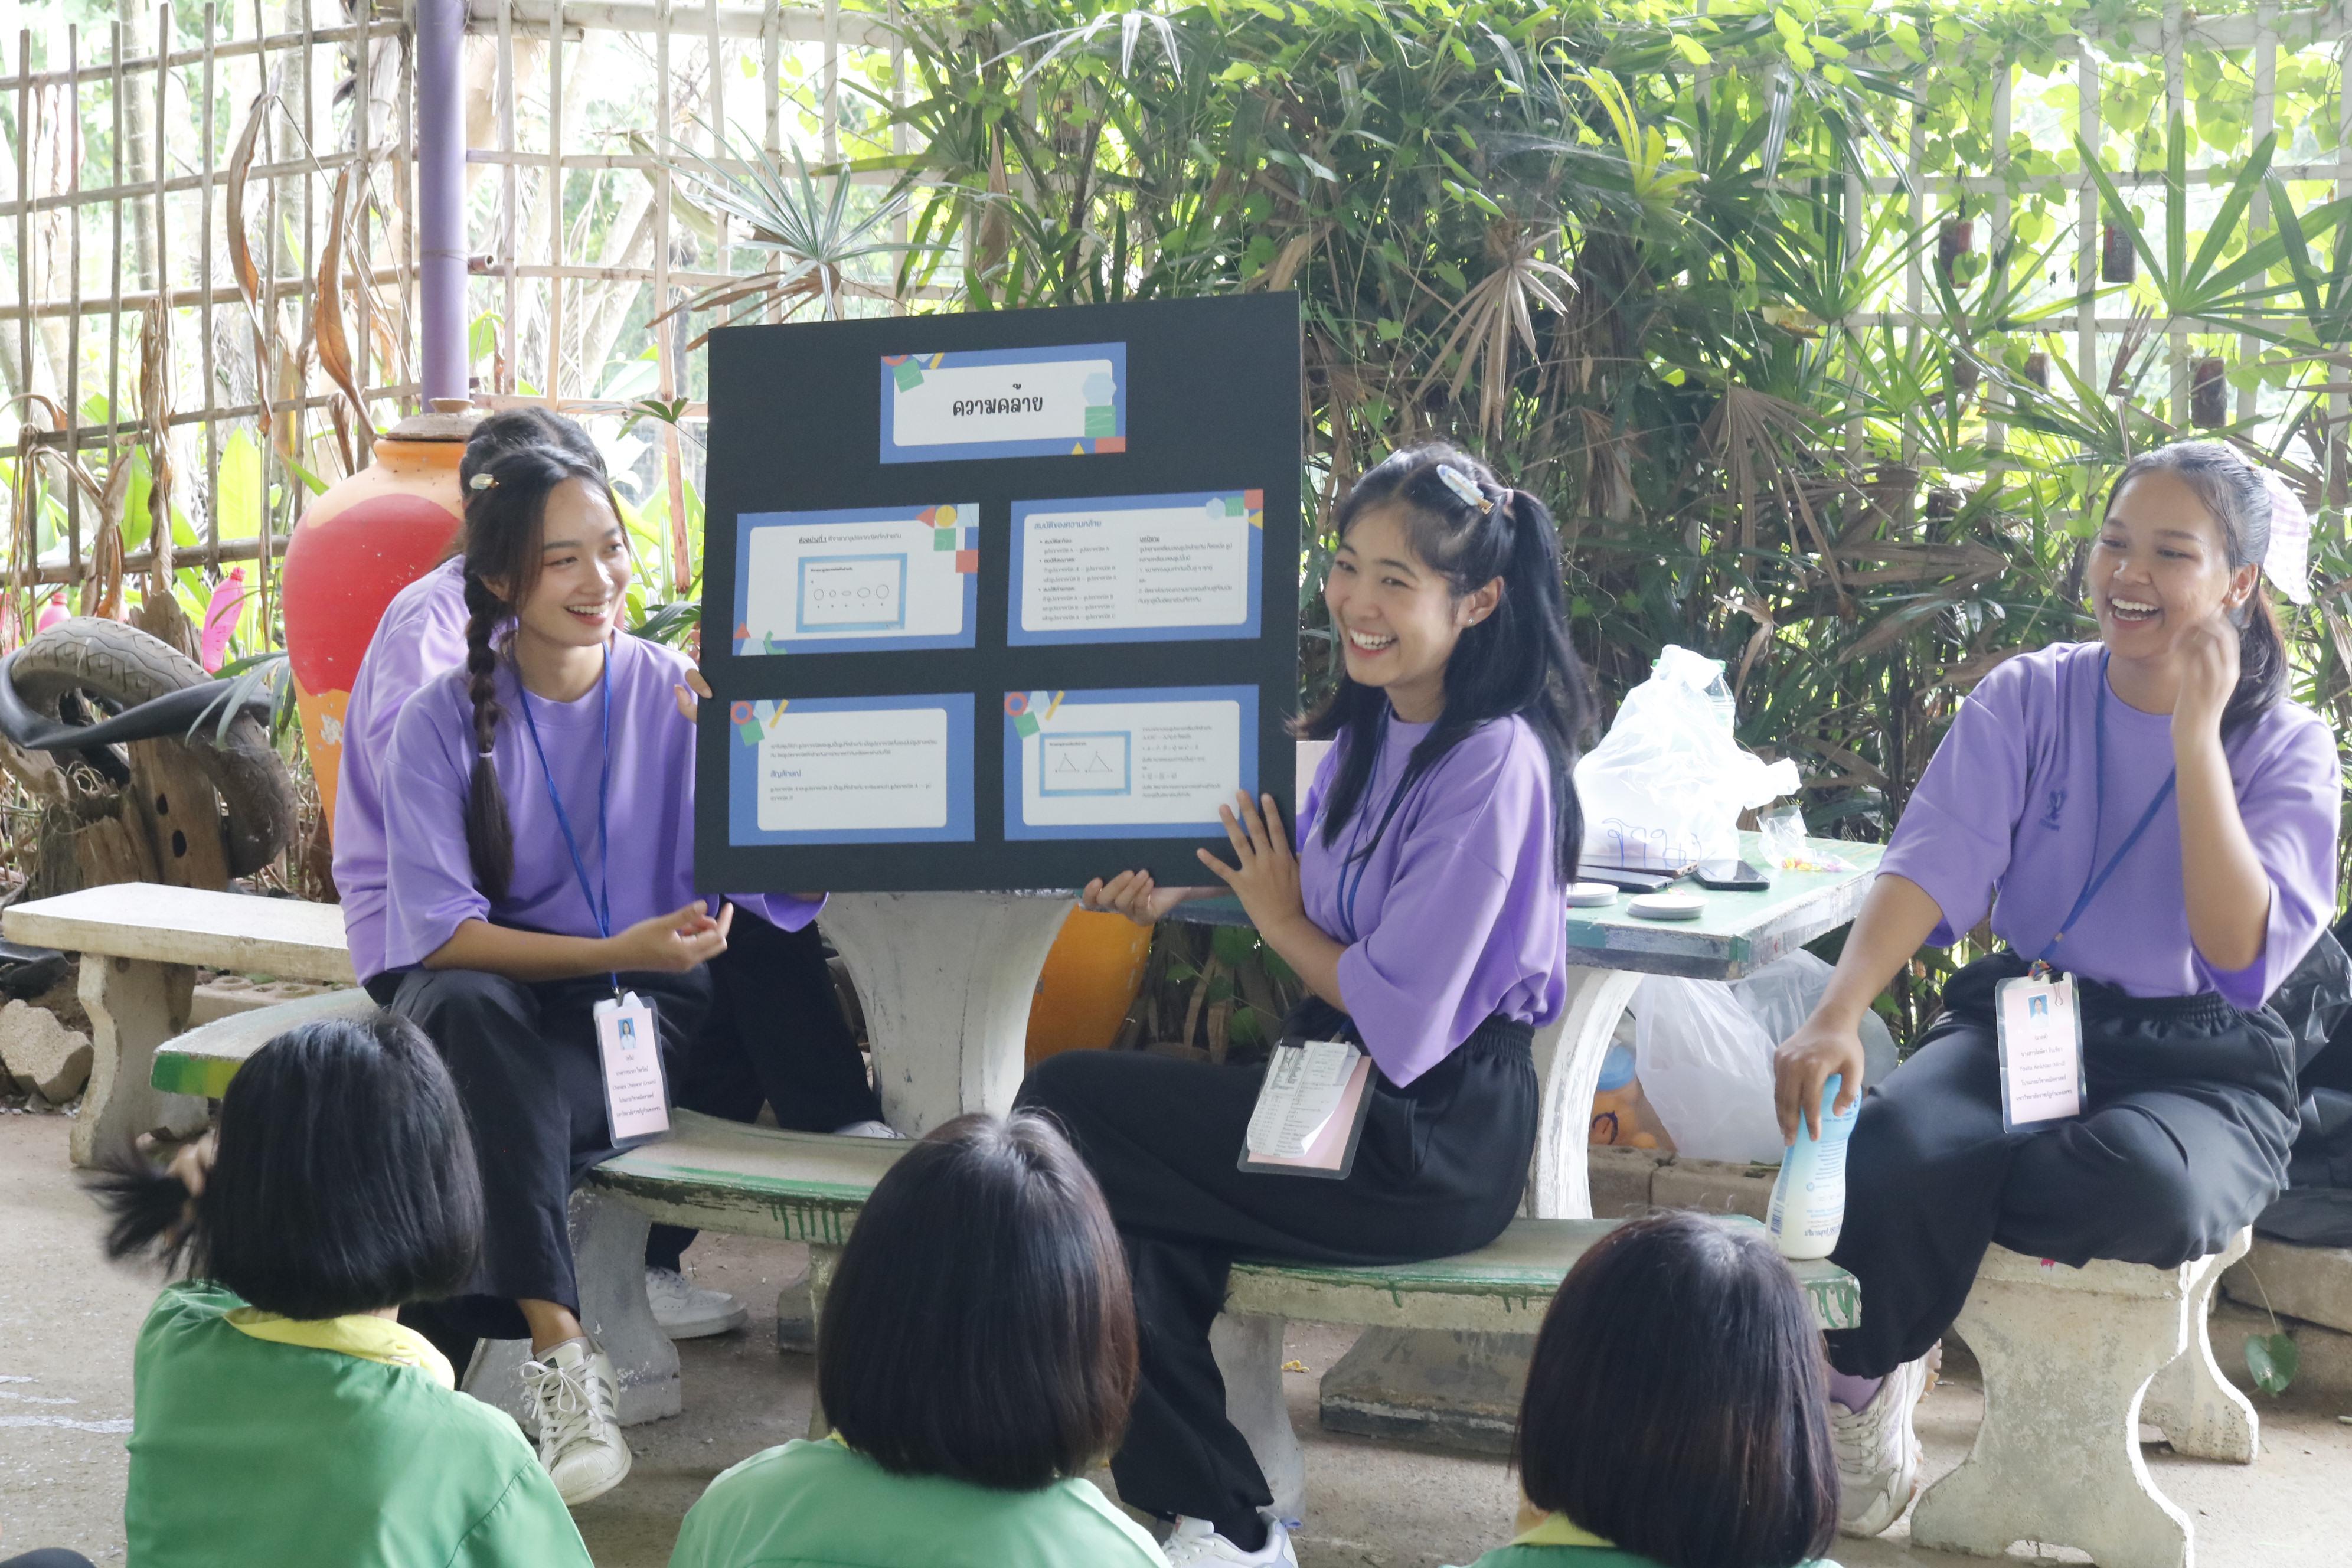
1439	1171
525	1061
2182	1142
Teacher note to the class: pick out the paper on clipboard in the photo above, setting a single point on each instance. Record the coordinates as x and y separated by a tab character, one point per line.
1310	1112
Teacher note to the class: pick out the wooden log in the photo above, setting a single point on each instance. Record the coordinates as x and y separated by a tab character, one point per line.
111	850
179	812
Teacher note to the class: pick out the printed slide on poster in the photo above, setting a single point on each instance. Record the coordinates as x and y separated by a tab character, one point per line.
1147	762
1004	402
861	581
1136	568
851	770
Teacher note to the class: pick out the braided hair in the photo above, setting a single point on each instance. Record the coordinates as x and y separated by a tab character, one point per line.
1517	660
503	528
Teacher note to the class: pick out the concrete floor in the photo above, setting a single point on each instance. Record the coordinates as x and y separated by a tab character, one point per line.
68	1320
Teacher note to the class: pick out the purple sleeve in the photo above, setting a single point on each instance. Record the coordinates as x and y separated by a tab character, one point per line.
1414	999
785	911
2289	808
432	875
1955	836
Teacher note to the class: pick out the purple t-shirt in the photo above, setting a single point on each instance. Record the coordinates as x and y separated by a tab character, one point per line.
649	868
2014	815
1458	913
421	633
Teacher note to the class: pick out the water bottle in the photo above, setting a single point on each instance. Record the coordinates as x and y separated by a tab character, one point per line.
1809	1200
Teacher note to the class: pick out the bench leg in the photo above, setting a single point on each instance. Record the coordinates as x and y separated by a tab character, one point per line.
133	1008
1248	1348
1569	1053
2194	1406
822	1261
608	1251
2057	1460
946	980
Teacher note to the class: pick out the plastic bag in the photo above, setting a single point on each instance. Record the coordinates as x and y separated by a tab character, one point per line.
1667	784
1783	994
1782	829
1705	1065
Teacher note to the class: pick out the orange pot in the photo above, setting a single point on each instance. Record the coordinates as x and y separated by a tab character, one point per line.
1089	982
357	545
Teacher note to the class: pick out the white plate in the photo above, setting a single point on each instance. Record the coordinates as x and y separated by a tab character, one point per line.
1591	895
1666	907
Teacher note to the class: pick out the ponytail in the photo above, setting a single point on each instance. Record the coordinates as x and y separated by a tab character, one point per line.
2262	668
151	1212
489	832
1517	661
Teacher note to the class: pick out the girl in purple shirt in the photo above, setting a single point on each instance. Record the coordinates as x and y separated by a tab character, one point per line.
1422	907
539	834
2147	814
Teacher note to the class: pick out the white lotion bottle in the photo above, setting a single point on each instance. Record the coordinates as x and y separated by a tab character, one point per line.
1809	1200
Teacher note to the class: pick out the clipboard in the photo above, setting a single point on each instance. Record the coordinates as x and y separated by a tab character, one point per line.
1331	1154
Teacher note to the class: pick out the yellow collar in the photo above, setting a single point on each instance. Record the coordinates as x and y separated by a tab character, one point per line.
1559	1530
366	1337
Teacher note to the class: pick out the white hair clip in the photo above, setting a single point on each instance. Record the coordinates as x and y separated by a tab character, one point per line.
483	482
1464	486
2286	563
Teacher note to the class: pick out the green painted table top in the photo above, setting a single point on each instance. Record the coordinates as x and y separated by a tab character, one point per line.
1735	935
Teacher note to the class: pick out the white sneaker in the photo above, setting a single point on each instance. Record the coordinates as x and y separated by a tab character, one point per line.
572	1395
685	1311
869	1129
1878	1453
1196	1542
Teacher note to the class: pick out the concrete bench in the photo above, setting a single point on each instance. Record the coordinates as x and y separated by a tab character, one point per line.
140	944
806	1187
2073	1361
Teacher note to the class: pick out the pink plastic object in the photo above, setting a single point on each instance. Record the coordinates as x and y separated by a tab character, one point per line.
223	614
52	613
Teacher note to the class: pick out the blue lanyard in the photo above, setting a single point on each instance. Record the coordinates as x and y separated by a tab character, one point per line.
600	902
2098	813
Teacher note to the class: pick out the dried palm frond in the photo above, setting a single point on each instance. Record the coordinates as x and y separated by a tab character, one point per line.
1480	329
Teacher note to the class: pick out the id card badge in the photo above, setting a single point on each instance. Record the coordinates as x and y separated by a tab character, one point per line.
1310	1111
2041	1035
637	1098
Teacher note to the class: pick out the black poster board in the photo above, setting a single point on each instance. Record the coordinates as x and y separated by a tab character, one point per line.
886	673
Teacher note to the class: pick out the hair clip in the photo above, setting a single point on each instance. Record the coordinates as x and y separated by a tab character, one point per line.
483	482
1464	486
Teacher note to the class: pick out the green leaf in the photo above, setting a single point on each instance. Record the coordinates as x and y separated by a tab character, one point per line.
2274	1361
1233	944
1390	331
236	502
1691	50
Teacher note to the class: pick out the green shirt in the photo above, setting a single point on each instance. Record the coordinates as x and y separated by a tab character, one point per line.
338	1444
1559	1543
821	1505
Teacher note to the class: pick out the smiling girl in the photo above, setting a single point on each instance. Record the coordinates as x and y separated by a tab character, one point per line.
2148	814
540	833
1423	908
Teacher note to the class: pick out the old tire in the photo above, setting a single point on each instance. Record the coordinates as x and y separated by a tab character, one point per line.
86	668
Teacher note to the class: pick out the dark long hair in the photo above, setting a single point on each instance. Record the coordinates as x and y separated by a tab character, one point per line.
979	1325
344	1180
2232	489
1517	660
513	429
1677	1405
503	528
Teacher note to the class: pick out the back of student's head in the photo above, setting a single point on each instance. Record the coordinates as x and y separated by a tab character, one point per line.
513	429
344	1180
1678	1402
979	1325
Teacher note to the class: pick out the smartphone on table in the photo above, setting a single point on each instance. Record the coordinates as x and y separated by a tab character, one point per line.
1731	877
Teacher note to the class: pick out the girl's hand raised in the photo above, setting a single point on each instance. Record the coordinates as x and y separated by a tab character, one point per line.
674	942
1266	880
1136	896
690	702
2209	676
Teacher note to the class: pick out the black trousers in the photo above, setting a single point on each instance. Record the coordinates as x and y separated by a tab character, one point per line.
48	1557
525	1060
2183	1141
771	1032
1439	1171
